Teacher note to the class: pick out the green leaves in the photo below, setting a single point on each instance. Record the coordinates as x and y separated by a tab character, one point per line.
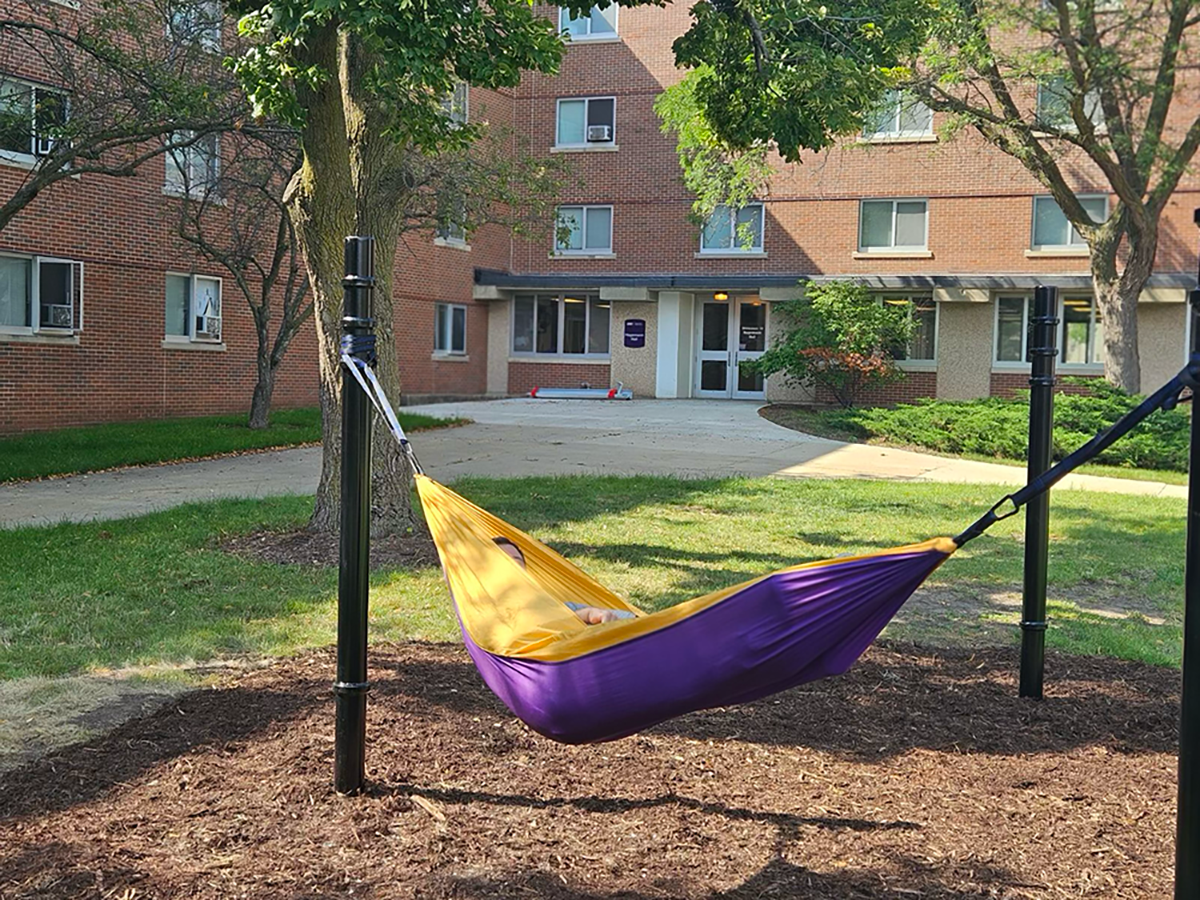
412	56
795	74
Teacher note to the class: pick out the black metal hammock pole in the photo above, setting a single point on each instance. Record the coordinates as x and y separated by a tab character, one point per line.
1042	352
1187	822
350	689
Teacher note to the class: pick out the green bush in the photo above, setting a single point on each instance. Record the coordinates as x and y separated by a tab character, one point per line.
998	427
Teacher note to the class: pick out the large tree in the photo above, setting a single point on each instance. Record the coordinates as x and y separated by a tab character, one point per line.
364	84
1109	74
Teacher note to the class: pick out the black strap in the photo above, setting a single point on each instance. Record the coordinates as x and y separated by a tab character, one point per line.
1166	397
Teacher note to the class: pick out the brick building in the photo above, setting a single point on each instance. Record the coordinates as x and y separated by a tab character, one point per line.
631	291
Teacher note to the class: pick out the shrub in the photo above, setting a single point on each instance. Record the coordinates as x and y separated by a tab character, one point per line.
999	427
837	337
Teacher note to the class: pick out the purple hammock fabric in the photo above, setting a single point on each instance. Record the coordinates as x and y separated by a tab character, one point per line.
786	629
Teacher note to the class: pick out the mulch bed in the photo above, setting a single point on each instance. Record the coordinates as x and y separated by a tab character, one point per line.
917	775
322	549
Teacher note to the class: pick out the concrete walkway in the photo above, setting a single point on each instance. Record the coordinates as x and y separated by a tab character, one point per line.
534	437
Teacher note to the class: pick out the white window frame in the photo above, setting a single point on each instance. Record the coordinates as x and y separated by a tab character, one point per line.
893	247
564	16
190	314
190	28
457	104
560	299
909	364
1093	350
583	210
39	146
896	101
1026	311
586	144
736	248
1071	244
446	339
33	304
198	172
1060	336
1091	99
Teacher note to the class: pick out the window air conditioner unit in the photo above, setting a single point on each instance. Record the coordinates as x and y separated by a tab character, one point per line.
58	315
598	133
212	328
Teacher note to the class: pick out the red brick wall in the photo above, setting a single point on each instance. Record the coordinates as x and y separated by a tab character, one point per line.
524	377
914	386
1006	384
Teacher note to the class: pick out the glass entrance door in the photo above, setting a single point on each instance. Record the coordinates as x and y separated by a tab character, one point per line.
730	331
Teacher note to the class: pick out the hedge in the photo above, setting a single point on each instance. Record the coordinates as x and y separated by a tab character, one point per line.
999	427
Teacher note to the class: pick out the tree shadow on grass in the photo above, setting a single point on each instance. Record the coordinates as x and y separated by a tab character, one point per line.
898	699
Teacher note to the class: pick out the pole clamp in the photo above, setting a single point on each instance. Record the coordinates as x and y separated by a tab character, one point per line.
358	322
351	688
358	281
1039	380
1033	626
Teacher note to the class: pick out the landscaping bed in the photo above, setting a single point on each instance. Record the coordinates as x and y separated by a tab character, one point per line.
917	774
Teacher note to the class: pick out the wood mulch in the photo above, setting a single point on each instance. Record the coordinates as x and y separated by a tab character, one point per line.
916	775
322	549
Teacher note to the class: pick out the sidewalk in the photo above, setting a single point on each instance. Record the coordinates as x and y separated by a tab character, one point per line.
519	437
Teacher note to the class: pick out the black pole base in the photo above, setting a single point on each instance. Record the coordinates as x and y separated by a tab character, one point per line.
350	738
1033	653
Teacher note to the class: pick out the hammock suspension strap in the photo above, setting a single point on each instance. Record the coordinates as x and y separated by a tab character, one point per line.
363	371
1166	397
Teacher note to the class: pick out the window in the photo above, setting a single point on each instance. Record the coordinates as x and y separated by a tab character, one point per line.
560	324
457	103
193	164
1054	106
449	329
1012	327
587	122
584	230
893	225
193	307
1080	334
1050	225
41	294
195	23
598	23
730	230
899	116
31	117
922	345
451	232
452	220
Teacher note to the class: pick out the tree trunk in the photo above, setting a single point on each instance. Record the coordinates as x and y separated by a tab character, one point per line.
1117	298
260	403
264	386
347	185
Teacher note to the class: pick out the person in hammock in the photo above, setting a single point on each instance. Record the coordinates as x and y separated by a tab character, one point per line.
591	615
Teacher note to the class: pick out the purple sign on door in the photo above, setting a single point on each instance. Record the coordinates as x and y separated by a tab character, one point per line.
635	332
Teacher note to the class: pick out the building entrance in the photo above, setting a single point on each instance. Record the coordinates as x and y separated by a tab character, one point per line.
731	330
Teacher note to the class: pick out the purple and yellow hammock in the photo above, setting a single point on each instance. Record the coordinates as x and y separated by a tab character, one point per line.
578	683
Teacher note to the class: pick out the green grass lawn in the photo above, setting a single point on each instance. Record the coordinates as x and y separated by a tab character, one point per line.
94	448
158	589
